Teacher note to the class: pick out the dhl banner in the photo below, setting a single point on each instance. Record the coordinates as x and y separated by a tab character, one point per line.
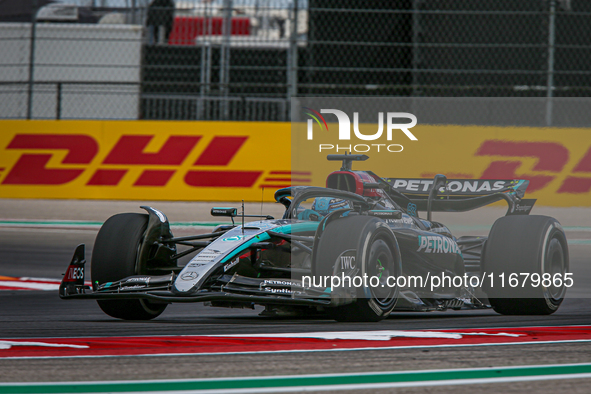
557	162
231	161
143	160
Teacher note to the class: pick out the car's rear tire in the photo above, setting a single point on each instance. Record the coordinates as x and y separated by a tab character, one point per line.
376	254
525	244
115	256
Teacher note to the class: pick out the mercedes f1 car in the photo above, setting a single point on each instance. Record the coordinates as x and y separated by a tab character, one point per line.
359	225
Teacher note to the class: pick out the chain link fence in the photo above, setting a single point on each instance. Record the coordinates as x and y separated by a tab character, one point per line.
244	59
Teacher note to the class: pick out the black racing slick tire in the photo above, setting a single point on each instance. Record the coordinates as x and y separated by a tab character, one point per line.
526	248
369	248
114	257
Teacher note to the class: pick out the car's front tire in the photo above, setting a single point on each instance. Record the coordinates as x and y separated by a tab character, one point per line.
376	255
115	256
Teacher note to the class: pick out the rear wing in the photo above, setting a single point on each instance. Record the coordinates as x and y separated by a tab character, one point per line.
461	195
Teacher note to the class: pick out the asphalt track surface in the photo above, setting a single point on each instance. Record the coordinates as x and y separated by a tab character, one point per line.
45	252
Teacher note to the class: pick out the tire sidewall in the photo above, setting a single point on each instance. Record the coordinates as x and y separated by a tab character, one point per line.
522	244
359	232
115	256
554	232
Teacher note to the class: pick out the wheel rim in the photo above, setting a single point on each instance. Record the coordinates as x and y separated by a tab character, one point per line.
381	265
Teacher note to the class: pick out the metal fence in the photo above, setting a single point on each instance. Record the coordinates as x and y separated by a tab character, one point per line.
244	59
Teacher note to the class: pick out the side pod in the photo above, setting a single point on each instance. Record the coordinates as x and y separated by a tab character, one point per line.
73	281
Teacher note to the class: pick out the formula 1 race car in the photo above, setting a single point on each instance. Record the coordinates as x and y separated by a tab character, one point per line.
360	230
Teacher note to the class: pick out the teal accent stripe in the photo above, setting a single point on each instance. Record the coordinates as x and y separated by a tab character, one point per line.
297	227
245	245
287	229
319	382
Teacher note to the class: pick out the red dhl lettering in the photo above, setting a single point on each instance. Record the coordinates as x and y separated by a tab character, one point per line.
31	168
585	164
130	150
220	151
552	157
575	185
103	177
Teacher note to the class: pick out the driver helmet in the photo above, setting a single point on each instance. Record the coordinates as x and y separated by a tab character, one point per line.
325	205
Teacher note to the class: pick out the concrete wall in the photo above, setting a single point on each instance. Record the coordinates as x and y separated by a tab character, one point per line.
98	67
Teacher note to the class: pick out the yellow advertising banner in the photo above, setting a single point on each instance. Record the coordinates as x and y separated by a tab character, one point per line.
231	161
144	160
557	162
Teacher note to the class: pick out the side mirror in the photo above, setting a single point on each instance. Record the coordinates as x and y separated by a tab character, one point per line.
228	212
